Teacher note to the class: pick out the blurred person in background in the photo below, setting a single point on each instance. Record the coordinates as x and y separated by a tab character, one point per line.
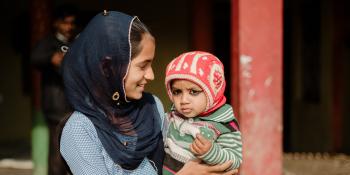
47	57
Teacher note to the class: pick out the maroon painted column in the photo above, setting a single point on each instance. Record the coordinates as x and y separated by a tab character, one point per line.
40	26
339	28
256	72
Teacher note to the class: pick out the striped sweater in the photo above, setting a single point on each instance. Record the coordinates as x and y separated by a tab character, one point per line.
221	127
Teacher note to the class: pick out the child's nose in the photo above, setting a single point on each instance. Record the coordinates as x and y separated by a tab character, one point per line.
184	98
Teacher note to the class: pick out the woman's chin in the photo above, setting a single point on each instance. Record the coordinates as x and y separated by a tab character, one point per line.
135	96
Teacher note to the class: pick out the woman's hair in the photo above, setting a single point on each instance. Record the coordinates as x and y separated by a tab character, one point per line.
138	29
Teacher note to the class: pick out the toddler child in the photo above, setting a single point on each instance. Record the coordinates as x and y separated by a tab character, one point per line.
200	124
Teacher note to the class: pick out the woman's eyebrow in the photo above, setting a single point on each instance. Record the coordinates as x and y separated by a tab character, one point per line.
145	61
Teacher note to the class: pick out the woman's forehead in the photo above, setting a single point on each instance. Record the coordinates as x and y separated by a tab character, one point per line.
148	50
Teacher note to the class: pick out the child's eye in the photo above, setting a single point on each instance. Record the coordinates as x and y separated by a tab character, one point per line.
176	92
195	92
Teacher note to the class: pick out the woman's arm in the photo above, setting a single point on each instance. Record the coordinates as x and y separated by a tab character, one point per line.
80	149
195	167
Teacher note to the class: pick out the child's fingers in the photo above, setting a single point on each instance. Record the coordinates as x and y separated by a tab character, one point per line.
201	140
195	149
198	143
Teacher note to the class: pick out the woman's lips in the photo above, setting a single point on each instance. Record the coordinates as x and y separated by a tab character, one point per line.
141	86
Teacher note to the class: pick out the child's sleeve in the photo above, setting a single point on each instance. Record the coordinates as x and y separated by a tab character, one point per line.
227	146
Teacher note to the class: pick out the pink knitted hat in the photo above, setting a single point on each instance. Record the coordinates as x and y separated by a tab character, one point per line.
204	69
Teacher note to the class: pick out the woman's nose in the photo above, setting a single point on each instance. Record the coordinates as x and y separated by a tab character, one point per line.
149	74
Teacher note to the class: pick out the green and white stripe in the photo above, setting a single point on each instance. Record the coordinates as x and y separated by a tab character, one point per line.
227	147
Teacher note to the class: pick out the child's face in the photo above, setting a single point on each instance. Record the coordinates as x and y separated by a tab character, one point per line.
188	98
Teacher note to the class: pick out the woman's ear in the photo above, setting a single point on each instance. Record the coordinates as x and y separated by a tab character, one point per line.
106	66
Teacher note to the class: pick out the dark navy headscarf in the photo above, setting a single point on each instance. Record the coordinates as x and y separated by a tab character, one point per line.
94	69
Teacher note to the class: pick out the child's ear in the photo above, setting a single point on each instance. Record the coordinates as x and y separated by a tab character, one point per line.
172	99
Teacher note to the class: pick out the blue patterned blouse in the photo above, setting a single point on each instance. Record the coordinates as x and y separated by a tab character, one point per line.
85	155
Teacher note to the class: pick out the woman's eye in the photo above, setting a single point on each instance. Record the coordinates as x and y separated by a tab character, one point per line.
143	66
176	92
195	92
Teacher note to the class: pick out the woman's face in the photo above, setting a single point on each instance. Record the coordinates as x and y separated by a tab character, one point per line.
140	70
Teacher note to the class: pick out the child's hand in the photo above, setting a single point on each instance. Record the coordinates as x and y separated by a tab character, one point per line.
200	145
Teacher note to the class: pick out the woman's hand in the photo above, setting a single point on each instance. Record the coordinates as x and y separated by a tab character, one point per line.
195	167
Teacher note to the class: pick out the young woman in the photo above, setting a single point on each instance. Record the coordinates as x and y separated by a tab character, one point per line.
116	126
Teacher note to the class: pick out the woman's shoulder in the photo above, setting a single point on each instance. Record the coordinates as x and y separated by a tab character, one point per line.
79	128
77	117
160	109
79	120
158	102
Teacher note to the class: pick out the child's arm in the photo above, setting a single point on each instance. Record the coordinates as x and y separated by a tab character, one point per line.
227	147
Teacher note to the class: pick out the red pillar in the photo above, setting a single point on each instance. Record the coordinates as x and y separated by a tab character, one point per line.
40	26
256	72
339	28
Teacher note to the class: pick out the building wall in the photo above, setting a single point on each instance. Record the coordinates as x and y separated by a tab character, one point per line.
15	111
316	96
